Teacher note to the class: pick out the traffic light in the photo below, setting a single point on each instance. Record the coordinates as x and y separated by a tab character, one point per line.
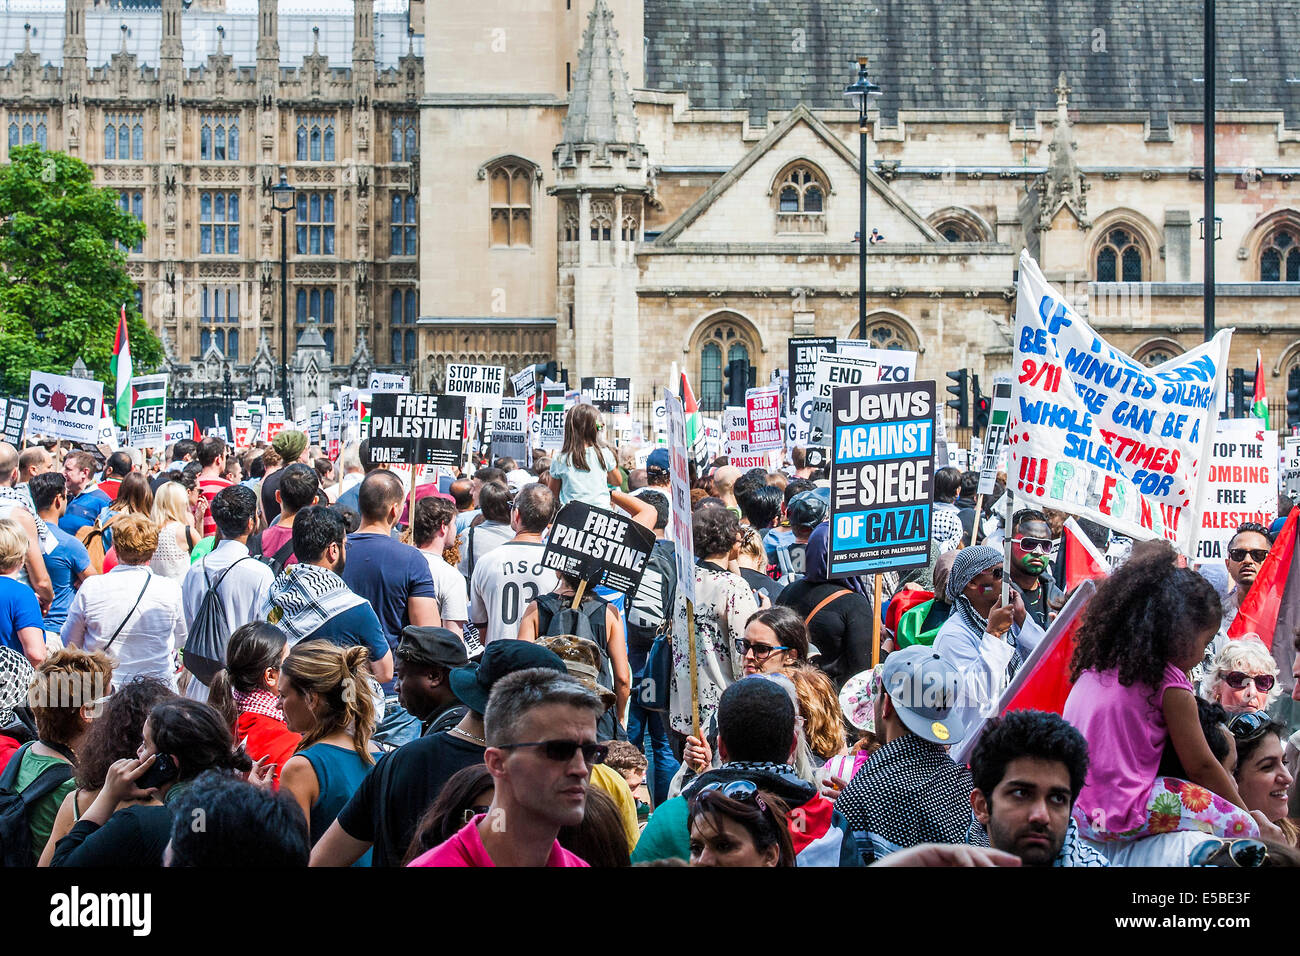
981	405
736	382
1243	392
1293	398
545	370
960	400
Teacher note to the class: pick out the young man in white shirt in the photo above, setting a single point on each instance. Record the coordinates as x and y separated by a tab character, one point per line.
433	526
511	575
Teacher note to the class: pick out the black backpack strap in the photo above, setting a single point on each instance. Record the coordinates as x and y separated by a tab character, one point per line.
280	557
138	599
9	779
547	606
254	546
471	553
49	779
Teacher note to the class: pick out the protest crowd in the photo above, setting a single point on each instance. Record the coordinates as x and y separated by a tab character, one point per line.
609	652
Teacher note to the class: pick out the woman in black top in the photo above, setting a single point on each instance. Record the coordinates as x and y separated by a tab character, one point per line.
840	623
195	738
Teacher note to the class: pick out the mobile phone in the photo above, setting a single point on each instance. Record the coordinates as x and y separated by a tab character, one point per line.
165	769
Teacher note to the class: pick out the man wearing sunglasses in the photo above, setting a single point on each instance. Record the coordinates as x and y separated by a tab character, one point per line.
1247	549
540	728
1031	573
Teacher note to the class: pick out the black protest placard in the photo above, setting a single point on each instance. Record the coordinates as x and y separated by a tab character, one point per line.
598	546
15	420
609	394
882	478
804	354
409	429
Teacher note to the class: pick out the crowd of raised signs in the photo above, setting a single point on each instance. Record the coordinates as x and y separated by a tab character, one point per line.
328	663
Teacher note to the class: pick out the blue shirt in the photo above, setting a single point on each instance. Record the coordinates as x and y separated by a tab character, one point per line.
83	510
65	564
356	625
351	498
387	573
18	609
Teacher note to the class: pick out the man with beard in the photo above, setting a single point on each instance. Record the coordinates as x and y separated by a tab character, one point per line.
310	600
1028	769
1031	550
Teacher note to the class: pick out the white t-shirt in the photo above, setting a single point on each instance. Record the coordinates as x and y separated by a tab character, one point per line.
453	601
504	583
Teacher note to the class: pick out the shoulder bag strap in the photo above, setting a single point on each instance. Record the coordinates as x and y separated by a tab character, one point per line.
189	537
807	622
471	550
139	598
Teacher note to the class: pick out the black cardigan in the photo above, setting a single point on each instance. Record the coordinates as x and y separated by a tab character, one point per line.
132	837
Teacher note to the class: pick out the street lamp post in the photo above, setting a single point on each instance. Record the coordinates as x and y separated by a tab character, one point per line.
858	92
282	198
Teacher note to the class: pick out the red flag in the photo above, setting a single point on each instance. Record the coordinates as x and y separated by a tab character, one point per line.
689	405
1043	681
198	432
1270	609
1083	562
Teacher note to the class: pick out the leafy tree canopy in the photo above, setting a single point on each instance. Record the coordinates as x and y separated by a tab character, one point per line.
63	243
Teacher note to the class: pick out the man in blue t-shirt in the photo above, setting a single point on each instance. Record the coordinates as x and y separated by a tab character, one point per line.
394	578
69	563
85	499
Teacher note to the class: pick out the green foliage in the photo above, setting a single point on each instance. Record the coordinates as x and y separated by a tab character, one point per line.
64	279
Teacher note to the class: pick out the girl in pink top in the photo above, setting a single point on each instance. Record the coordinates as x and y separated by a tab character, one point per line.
1147	625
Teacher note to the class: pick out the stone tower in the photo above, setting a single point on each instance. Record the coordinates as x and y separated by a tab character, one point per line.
601	185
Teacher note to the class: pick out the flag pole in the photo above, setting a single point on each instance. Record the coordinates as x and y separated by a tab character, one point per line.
1006	552
975	529
695	669
875	623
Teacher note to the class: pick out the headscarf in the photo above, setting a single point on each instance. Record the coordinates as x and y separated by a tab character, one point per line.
816	561
968	563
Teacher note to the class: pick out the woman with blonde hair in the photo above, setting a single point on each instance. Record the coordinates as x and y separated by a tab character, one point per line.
131	614
21	626
176	537
820	706
326	696
1243	677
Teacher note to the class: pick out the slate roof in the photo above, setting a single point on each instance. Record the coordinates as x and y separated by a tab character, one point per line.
973	54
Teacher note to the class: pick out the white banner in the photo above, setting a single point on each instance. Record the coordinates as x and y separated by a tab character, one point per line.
1242	484
61	406
148	412
384	382
1094	433
482	385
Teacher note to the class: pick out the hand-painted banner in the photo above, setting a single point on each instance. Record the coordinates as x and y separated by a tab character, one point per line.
1095	434
1241	486
882	479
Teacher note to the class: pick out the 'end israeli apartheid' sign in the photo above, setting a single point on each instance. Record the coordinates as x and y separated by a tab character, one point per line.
482	385
15	419
609	394
407	429
882	479
510	431
597	546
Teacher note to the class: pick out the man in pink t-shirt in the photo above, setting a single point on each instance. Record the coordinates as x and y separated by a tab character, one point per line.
540	729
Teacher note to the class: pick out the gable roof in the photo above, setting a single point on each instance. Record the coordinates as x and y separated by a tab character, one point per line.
800	114
972	54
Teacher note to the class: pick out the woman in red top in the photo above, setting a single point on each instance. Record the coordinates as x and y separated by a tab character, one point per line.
247	694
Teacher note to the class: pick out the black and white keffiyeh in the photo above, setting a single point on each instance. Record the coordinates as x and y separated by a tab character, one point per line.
305	596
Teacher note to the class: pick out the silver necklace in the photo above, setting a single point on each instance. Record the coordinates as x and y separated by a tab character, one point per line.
468	736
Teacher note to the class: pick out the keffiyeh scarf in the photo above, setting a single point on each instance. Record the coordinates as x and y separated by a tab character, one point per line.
306	596
969	563
260	701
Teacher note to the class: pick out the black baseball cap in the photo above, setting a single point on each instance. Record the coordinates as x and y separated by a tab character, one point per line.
434	646
472	684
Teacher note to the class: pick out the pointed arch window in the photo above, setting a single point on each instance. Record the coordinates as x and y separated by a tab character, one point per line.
1280	259
800	192
1120	258
721	344
510	202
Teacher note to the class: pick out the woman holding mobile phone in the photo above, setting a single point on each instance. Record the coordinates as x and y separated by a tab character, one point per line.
182	738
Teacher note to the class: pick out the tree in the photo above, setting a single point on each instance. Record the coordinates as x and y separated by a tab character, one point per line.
63	243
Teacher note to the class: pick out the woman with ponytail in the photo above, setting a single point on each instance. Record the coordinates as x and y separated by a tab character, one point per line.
326	696
247	694
182	738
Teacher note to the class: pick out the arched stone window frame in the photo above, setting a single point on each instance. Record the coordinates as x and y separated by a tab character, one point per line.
1263	237
968	225
904	332
726	331
1143	236
800	195
1153	348
512	184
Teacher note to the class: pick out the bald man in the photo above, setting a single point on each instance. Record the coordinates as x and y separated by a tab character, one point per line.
724	483
33	461
16	505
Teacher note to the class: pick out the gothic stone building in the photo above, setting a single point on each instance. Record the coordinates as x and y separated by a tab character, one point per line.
646	185
191	111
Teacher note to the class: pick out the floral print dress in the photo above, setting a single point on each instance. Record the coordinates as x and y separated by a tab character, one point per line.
723	604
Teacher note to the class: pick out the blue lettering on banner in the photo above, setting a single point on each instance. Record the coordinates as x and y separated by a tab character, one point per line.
883	440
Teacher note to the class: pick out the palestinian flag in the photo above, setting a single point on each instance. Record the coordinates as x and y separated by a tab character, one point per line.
1083	562
1043	681
122	372
1272	608
691	409
149	390
1260	406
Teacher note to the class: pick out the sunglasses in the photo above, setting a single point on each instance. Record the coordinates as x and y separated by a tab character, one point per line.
563	750
1256	554
1034	545
1237	680
1240	853
761	652
1248	726
741	790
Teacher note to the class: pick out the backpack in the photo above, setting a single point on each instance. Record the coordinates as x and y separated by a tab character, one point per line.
275	562
97	544
652	603
205	648
556	616
15	828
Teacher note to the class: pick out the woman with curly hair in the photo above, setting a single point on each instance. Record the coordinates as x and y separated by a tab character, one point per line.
1243	677
115	735
820	706
1148	624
